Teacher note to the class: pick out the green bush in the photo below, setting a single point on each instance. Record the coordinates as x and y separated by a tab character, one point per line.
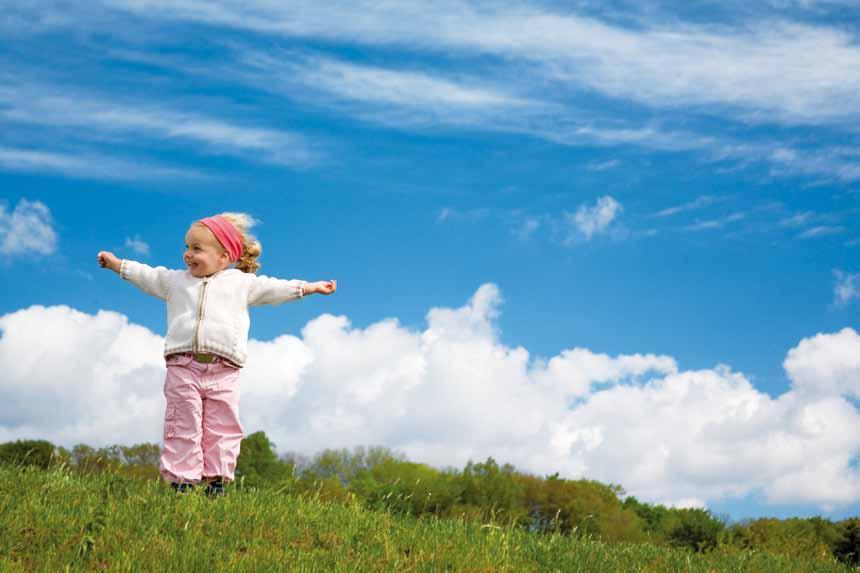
39	453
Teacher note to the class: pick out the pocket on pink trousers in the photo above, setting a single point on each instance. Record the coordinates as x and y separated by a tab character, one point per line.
170	422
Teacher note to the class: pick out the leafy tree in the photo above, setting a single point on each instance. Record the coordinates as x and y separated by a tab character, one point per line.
39	453
258	464
345	465
327	489
407	487
847	547
805	538
496	490
140	460
141	454
580	507
695	529
88	459
655	518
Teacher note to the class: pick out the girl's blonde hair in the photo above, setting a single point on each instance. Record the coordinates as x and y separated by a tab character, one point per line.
251	247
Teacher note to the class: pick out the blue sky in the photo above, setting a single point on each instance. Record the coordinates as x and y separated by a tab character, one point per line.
660	179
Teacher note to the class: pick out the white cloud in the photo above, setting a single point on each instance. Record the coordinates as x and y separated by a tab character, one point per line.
594	220
27	229
453	392
73	377
137	245
847	287
826	364
573	372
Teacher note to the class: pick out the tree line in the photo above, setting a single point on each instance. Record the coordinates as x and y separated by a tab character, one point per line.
486	491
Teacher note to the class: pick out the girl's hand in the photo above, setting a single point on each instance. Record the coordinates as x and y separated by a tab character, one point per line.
109	261
325	287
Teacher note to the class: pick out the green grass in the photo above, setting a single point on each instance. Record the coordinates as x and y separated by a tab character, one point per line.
59	520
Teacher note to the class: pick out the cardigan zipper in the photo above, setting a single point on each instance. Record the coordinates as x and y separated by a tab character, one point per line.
196	344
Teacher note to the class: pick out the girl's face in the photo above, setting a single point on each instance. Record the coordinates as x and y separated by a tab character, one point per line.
204	255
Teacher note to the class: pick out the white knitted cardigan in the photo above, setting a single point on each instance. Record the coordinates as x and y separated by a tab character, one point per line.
209	315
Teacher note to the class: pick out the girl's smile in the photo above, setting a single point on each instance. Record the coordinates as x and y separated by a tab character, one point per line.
204	256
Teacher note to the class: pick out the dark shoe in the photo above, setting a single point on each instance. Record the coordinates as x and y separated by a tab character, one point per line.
182	487
214	488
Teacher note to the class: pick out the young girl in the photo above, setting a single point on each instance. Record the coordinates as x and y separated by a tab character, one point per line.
206	343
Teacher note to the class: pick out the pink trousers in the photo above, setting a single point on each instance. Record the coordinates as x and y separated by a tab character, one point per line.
202	433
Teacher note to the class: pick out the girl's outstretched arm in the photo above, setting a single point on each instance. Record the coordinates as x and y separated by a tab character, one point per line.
270	290
108	260
151	280
322	287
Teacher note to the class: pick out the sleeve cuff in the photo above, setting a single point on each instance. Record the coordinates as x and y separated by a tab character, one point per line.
123	269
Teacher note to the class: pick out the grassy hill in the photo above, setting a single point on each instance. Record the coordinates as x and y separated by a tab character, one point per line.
56	520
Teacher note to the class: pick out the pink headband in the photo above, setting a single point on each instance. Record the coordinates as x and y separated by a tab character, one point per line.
226	234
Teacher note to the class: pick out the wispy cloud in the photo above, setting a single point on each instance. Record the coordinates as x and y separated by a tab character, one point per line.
717	223
406	88
27	230
403	98
771	70
527	227
591	220
798	219
408	99
603	165
91	166
698	203
837	163
395	97
821	231
846	287
545	69
91	117
137	245
452	214
813	224
677	68
521	224
770	217
565	228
